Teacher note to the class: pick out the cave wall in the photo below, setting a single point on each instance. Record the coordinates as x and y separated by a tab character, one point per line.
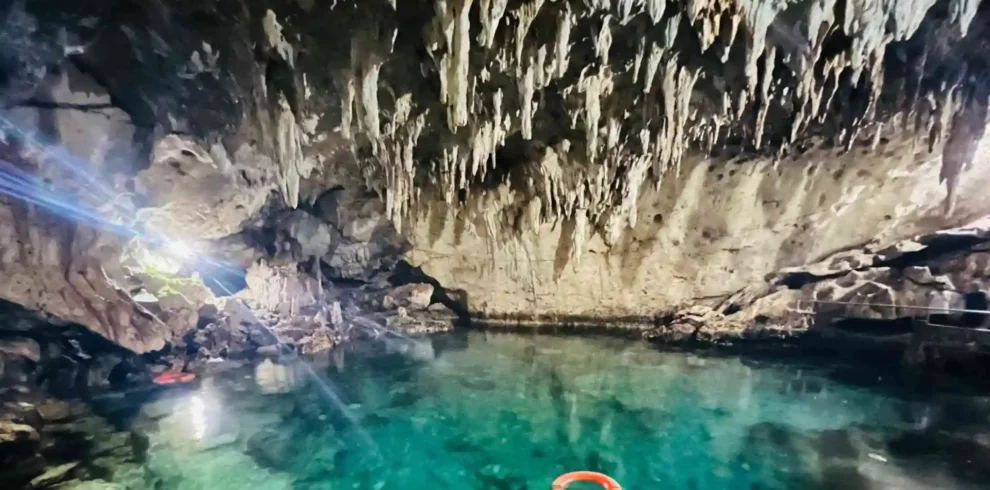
718	228
579	157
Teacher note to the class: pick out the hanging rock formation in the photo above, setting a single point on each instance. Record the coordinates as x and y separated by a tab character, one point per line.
593	158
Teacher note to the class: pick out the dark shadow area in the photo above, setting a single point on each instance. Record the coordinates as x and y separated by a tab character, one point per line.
455	300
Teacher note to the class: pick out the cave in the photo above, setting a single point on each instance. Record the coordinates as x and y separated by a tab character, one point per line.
489	243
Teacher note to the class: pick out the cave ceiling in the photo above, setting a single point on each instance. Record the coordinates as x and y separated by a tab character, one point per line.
571	107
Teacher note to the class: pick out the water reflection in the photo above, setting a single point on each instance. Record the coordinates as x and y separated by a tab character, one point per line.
500	411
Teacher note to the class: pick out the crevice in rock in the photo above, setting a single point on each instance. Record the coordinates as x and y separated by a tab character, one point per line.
877	328
40	104
936	247
798	280
455	300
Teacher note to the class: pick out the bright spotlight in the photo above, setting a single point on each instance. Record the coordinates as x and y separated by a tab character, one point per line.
179	249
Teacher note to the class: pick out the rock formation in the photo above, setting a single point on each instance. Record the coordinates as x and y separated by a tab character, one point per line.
546	159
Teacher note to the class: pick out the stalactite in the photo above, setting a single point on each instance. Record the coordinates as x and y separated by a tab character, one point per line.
962	13
761	118
706	16
524	18
603	41
541	75
579	236
348	93
369	99
491	15
454	22
757	16
565	21
656	9
638	60
821	16
594	87
626	10
652	63
527	90
276	39
678	85
292	164
522	84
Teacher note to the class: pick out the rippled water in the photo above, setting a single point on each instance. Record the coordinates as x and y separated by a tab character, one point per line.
505	411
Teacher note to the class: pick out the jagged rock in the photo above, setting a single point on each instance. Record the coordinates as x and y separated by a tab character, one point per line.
271	449
78	111
34	270
14	432
54	475
273	378
273	350
91	485
361	260
54	410
102	367
197	197
208	313
320	340
21	346
238	314
357	218
311	237
336	316
411	296
280	289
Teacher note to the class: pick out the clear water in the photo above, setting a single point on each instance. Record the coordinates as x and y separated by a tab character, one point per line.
511	412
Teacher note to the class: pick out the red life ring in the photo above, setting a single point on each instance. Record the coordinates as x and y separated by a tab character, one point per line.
566	479
173	377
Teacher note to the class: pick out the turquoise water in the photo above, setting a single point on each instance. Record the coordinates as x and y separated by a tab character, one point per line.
511	412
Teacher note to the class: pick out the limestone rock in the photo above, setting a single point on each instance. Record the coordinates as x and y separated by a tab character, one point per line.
356	217
14	432
54	410
238	314
273	378
271	449
280	288
21	346
411	296
537	186
54	475
320	340
91	485
311	236
196	197
38	249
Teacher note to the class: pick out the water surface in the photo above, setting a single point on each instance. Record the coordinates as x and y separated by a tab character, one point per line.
509	411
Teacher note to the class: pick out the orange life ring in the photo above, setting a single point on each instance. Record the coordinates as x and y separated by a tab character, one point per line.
173	377
566	479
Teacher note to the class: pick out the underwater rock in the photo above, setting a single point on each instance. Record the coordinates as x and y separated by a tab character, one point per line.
91	485
54	410
54	475
11	432
271	449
